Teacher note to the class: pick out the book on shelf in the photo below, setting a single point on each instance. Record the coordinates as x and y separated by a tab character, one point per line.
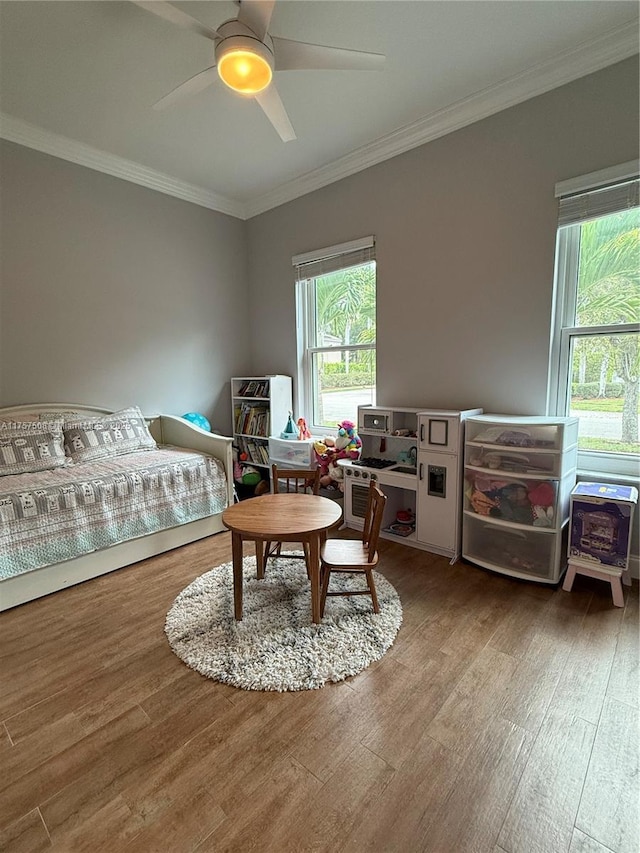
252	420
254	388
248	388
256	453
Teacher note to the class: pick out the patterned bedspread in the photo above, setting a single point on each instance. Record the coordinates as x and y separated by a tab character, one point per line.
51	516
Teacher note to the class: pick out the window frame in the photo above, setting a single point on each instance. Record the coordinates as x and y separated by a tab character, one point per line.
305	294
564	332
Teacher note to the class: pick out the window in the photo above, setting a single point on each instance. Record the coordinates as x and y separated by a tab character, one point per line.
595	353
336	323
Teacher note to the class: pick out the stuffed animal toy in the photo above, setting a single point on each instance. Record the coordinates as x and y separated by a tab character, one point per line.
346	445
348	441
325	458
250	476
320	449
336	477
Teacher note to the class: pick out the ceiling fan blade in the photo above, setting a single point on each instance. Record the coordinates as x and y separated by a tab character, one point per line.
297	55
273	108
176	16
190	87
256	14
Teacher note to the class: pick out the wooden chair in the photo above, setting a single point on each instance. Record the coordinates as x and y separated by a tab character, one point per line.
355	555
291	480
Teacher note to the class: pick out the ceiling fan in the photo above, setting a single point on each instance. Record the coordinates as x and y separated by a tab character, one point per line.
246	57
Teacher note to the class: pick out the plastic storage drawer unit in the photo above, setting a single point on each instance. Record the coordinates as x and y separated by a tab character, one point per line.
292	454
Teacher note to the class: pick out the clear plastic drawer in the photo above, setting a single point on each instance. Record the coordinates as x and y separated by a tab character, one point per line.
512	500
522	434
292	454
523	552
520	461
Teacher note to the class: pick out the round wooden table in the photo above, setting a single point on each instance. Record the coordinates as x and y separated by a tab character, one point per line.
280	518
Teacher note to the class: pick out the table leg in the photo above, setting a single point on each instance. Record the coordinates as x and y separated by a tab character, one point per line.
314	560
236	550
259	559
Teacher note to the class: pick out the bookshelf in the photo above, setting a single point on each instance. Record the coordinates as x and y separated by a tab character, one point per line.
260	407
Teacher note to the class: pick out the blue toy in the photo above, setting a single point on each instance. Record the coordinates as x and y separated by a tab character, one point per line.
198	420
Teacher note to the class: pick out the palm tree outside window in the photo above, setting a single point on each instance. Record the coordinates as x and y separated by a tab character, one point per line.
595	354
336	325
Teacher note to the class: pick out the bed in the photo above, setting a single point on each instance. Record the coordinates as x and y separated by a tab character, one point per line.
123	488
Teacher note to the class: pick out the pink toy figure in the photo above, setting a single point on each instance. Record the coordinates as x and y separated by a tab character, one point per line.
303	431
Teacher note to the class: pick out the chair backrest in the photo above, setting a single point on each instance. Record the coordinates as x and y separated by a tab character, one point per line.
299	480
373	518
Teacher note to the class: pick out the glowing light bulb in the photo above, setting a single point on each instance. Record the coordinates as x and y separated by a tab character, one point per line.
244	71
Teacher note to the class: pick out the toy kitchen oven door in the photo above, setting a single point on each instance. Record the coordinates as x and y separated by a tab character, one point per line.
440	463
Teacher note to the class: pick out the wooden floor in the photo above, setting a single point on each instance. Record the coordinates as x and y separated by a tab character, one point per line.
504	719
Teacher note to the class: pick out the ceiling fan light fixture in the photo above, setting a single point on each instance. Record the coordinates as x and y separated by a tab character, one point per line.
245	64
244	71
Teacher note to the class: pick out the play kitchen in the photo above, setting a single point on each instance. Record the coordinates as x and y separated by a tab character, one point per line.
416	457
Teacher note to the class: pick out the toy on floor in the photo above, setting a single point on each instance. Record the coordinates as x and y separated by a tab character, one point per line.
248	475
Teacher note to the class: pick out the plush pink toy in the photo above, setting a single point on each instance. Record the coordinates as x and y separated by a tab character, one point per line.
303	431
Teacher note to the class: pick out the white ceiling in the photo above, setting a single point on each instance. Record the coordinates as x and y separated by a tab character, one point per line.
77	79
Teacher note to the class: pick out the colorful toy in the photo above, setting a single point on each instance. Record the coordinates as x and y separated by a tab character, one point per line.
348	440
250	476
329	450
303	431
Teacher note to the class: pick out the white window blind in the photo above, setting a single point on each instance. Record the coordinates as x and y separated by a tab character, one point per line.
584	206
333	258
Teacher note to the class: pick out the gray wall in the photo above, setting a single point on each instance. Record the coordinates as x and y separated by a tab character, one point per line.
465	229
112	294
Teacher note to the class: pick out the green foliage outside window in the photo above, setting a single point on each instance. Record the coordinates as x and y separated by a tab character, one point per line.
346	306
346	317
608	293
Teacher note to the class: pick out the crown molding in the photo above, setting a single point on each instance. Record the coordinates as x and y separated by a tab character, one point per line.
21	132
611	175
591	56
586	58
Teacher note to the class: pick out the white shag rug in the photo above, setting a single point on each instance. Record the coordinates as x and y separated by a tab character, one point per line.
276	646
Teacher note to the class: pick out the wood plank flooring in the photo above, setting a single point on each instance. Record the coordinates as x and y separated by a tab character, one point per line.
504	719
